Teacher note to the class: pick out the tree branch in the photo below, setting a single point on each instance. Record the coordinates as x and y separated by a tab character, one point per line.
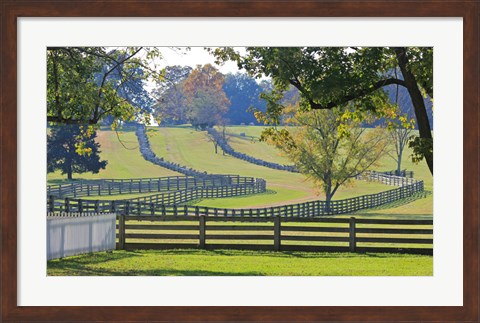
349	97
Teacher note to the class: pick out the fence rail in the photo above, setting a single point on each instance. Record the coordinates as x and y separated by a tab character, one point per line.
144	185
319	234
154	205
142	206
229	150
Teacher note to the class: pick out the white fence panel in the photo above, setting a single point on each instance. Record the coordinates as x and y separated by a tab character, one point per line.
74	235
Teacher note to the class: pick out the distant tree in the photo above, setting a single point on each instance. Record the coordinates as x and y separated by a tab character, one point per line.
325	156
211	138
207	102
72	149
243	92
399	140
171	105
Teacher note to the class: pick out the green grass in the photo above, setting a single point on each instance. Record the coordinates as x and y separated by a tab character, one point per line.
251	145
123	162
186	146
239	263
190	147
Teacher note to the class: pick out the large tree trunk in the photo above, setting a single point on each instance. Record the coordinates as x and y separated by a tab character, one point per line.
328	196
417	101
68	165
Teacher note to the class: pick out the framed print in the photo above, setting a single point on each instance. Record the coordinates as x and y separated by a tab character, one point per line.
44	46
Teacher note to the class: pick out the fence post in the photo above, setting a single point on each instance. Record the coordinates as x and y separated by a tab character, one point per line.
352	235
152	209
127	207
276	233
201	221
51	204
121	231
67	205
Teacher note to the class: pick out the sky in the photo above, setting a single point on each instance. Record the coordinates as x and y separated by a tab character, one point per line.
193	57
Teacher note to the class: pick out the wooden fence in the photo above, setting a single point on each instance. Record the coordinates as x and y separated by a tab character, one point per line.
151	207
278	234
142	185
229	150
387	179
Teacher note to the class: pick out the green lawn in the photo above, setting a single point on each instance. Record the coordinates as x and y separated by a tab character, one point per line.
187	146
124	161
239	263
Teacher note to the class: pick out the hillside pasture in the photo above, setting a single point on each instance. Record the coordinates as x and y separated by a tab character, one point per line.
124	159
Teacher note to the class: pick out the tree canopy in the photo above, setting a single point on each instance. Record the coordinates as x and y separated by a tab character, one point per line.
86	84
195	96
330	77
63	144
322	153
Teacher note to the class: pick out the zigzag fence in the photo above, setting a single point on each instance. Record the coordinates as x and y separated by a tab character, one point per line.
149	155
143	185
229	150
402	173
150	206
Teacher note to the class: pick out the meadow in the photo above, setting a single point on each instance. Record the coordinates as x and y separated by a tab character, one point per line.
192	148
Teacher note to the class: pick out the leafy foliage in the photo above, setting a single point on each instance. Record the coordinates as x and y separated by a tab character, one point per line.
86	84
207	102
325	156
353	77
244	94
171	105
72	149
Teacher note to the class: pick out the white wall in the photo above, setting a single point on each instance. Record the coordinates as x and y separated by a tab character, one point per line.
73	235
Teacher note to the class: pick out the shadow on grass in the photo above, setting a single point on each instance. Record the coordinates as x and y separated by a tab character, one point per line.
96	264
402	202
87	265
270	254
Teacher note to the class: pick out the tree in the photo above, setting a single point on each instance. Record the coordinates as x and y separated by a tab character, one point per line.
323	154
399	139
243	92
63	143
329	77
207	102
86	84
171	105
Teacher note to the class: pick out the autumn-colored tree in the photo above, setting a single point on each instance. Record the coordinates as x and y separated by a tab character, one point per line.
325	156
171	106
207	102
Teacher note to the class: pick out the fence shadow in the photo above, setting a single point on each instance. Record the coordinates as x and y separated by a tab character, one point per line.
402	202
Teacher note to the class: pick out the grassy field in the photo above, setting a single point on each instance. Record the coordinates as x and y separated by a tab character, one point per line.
239	263
192	148
122	162
189	147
